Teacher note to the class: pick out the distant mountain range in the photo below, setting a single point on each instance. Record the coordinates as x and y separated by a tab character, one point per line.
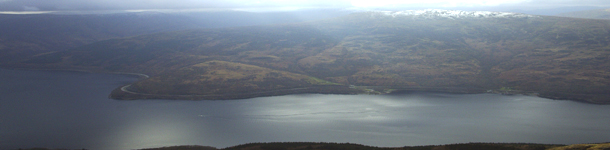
373	52
590	14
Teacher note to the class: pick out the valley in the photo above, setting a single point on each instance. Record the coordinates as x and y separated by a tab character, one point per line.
307	74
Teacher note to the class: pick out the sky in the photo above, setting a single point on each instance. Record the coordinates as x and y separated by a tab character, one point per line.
102	5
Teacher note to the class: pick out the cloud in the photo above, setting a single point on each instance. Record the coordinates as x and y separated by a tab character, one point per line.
443	3
96	5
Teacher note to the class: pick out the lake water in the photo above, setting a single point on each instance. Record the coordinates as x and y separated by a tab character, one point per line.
57	109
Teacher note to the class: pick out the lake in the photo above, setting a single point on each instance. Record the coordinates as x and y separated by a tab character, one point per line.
61	109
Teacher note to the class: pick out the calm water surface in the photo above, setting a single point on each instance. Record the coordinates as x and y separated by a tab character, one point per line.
56	109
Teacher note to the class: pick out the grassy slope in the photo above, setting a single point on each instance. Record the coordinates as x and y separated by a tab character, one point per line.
221	77
562	58
603	146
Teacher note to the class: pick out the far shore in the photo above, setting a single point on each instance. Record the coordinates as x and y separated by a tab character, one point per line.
122	93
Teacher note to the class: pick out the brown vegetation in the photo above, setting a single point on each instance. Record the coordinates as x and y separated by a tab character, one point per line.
554	57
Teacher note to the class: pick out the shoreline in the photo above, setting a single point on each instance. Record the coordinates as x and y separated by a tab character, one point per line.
122	93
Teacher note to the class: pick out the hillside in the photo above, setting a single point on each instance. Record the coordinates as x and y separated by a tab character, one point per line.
24	36
438	50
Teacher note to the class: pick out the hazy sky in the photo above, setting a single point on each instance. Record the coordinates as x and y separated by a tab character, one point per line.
90	5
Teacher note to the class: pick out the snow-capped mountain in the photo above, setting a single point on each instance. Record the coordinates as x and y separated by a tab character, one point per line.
451	14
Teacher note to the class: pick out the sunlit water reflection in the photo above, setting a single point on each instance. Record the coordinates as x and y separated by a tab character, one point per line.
71	110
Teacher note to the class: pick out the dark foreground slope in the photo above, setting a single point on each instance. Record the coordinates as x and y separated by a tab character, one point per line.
348	146
451	51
